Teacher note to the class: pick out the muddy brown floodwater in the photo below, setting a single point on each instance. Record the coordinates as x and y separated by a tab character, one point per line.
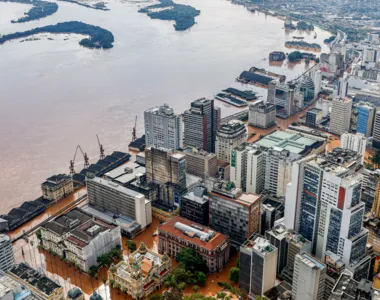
68	276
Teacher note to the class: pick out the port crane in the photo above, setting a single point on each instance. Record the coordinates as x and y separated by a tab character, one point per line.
134	131
101	149
85	157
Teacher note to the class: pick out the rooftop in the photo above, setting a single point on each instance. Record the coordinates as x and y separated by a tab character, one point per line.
163	110
126	172
82	226
199	195
34	278
114	186
311	261
193	233
339	161
294	142
259	244
55	180
314	110
195	152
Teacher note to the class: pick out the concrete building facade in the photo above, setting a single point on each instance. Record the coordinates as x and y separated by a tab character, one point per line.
201	163
162	128
258	261
340	115
262	115
57	187
6	253
200	124
228	136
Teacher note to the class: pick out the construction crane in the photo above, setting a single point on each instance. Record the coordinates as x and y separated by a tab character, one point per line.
134	131
101	149
85	157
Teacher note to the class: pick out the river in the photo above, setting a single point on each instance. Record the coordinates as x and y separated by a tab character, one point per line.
56	94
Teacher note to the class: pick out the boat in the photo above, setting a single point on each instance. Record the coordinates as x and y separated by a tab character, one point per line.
298	37
315	35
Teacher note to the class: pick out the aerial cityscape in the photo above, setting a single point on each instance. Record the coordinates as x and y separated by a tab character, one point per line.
188	149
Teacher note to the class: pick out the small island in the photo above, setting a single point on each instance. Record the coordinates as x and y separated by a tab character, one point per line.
302	25
277	56
99	5
296	56
183	15
330	39
303	45
39	10
98	37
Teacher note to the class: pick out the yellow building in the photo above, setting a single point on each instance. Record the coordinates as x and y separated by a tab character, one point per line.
57	187
142	274
164	215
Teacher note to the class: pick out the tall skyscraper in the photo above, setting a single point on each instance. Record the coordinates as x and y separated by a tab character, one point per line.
376	131
278	237
308	278
258	261
366	117
340	115
323	204
162	128
228	136
200	123
317	83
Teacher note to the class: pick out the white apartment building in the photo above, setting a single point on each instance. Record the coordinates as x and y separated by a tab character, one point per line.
80	238
356	142
228	136
308	277
340	115
6	253
163	128
256	160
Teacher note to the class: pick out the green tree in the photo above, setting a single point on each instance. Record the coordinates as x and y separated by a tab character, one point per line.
234	274
201	277
195	289
39	235
131	245
191	261
182	286
197	296
221	295
112	282
116	253
173	294
156	297
104	279
376	159
238	263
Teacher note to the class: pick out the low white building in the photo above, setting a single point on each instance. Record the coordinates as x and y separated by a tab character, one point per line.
80	238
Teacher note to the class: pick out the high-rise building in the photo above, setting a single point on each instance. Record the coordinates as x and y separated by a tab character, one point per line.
376	131
296	244
228	136
108	196
165	165
262	115
317	83
201	163
340	115
195	206
234	213
324	205
356	142
258	261
370	183
238	166
278	237
6	253
313	117
256	160
309	277
366	117
162	128
283	96
200	124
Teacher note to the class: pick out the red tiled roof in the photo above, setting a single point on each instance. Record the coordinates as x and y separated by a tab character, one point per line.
163	272
76	241
148	285
212	244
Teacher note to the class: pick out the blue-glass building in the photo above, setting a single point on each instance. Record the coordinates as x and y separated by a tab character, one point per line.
366	115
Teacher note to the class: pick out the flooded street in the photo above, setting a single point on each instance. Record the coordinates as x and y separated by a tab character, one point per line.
69	276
